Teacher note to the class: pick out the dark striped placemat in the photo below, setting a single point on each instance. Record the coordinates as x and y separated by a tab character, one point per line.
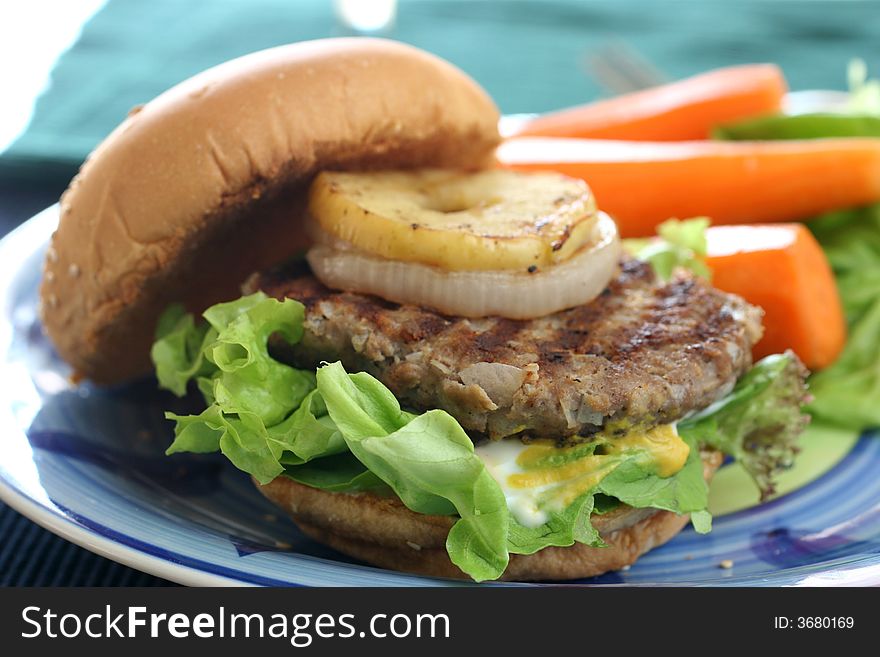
32	556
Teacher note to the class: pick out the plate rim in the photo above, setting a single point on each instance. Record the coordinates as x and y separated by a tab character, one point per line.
91	540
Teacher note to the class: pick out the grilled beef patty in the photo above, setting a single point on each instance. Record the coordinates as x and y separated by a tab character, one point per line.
645	352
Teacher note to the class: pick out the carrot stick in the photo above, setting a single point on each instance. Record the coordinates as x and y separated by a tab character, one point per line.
687	109
641	184
782	269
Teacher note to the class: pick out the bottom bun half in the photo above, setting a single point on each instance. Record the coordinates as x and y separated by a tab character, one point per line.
383	532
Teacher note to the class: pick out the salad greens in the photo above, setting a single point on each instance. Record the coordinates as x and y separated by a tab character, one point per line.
678	244
346	433
864	93
759	422
848	392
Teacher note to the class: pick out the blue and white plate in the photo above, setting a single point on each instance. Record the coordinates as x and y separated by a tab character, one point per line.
88	464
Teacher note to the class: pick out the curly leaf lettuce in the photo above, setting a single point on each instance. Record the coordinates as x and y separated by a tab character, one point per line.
178	352
759	422
247	378
678	244
250	395
331	430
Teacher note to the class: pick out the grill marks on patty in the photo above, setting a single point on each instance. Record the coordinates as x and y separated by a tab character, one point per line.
644	351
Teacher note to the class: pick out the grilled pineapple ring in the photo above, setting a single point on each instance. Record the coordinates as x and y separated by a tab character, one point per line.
511	294
457	221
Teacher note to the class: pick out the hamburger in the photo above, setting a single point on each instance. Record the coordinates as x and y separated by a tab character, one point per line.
431	364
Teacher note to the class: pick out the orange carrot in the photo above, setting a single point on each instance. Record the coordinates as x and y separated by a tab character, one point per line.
641	184
687	109
782	269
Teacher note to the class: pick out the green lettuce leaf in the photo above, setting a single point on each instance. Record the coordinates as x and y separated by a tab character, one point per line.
178	352
341	473
628	477
684	492
678	244
759	422
702	521
851	240
604	504
268	419
308	433
561	529
628	482
242	438
251	397
428	461
847	393
248	379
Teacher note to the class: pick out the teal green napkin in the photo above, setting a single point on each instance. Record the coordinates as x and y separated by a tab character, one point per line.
531	56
